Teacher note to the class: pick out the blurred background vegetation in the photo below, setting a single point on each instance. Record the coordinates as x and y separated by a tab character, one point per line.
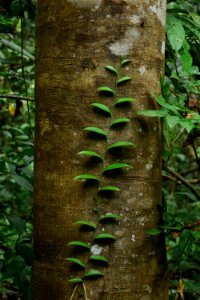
180	106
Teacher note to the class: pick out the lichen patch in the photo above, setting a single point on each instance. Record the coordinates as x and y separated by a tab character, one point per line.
96	249
123	46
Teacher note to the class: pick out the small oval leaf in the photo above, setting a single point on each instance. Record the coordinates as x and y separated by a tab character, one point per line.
112	69
109	188
76	261
124	101
91	153
120	144
119	121
106	90
109	216
86	223
76	280
104	236
85	177
102	107
96	130
112	167
125	62
93	274
123	80
79	244
98	259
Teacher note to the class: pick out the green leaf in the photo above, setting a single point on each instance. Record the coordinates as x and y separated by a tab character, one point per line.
86	177
187	124
102	107
124	101
91	153
96	130
123	80
154	231
98	259
175	32
86	223
106	90
109	216
109	188
104	236
162	102
79	244
120	121
172	121
120	144
125	62
75	280
112	69
76	261
93	274
152	113
25	184
116	166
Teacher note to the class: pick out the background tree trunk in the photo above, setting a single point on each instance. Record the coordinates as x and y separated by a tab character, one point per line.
75	40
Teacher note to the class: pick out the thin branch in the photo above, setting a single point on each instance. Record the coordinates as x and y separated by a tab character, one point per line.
185	182
172	178
189	171
15	97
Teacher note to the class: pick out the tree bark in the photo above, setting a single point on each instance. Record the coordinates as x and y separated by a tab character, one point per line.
75	40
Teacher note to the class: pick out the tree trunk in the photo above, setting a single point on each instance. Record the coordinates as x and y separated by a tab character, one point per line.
75	40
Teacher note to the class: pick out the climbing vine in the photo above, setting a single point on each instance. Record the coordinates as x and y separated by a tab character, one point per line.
90	267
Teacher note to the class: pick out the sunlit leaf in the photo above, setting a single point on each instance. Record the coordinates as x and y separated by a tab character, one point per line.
86	177
76	261
124	101
106	90
104	236
116	166
120	121
120	144
98	259
75	280
109	188
91	153
102	108
96	130
79	244
123	80
109	216
86	223
112	69
93	274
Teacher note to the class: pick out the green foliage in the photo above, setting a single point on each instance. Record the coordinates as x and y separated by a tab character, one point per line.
106	169
16	148
180	111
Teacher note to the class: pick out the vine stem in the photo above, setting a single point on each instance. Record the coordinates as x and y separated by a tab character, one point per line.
85	291
184	181
74	291
15	97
